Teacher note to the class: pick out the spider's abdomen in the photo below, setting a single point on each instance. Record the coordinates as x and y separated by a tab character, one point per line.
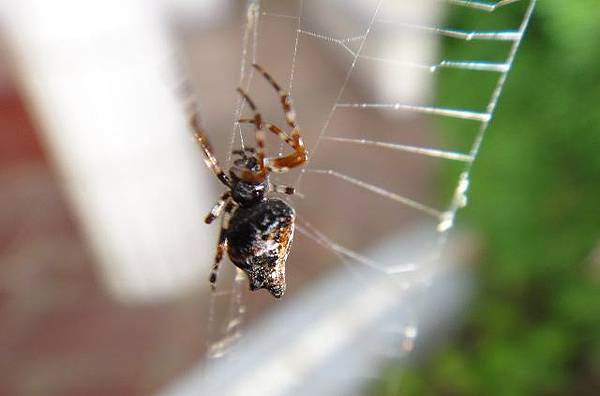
259	239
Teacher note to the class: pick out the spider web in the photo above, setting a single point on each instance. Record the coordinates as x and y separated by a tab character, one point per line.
357	42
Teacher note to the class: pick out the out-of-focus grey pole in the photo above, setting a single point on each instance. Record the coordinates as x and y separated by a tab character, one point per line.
334	337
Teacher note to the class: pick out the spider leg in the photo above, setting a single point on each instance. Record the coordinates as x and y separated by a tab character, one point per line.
210	160
244	151
273	128
260	143
286	102
281	189
221	245
294	140
245	121
218	208
282	164
298	157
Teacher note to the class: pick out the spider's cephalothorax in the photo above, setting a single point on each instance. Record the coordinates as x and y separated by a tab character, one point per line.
256	230
246	193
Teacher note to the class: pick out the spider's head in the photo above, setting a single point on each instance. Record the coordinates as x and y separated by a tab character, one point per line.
247	160
247	193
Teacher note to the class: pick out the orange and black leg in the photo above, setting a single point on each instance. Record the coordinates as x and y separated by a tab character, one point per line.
221	245
210	160
294	140
279	188
218	208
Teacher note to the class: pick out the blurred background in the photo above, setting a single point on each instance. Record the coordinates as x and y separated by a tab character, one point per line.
532	324
104	256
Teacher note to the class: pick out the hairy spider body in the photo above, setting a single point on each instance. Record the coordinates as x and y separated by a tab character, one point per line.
256	231
259	239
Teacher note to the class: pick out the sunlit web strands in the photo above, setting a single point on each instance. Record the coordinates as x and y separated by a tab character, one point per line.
276	15
478	66
378	190
361	44
481	5
340	42
461	190
344	253
332	39
295	52
445	64
322	240
441	111
502	35
307	230
429	152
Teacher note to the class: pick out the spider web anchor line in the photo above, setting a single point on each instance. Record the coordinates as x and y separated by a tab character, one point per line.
296	45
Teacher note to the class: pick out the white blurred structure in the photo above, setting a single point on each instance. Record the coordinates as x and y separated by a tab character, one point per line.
99	79
204	12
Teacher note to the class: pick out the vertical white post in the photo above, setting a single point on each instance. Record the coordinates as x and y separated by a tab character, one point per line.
100	81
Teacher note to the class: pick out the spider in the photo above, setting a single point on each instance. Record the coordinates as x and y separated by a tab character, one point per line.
256	230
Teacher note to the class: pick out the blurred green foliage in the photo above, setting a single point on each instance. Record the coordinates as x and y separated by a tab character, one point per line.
534	324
